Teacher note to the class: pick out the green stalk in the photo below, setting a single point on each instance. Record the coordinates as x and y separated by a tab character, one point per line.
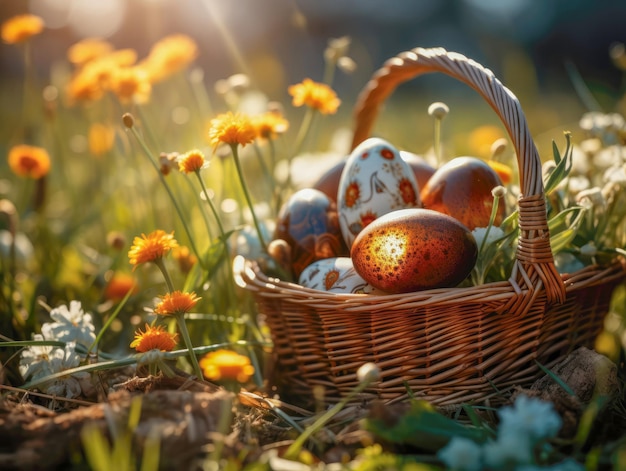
169	192
168	280
180	320
296	446
257	225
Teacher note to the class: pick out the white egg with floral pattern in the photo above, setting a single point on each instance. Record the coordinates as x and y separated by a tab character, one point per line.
335	275
375	181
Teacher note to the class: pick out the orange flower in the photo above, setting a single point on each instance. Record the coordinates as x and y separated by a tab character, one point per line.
231	128
151	247
186	260
154	337
175	303
87	50
168	56
29	161
269	125
226	364
315	95
192	161
21	28
503	170
119	285
101	138
90	82
131	84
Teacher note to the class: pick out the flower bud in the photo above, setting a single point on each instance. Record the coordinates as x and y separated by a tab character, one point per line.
438	110
368	373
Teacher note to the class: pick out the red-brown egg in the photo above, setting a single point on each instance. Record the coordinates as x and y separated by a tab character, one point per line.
414	249
328	183
462	188
309	223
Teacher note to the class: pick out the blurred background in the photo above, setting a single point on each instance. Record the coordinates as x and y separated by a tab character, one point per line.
533	46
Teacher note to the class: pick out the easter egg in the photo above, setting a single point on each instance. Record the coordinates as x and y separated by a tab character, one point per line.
328	182
462	189
335	275
309	224
421	169
374	181
414	249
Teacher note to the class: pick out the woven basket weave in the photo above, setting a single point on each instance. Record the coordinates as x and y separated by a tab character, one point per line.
451	345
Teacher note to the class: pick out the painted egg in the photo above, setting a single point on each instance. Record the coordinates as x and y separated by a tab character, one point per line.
336	275
414	249
462	188
308	222
421	169
374	181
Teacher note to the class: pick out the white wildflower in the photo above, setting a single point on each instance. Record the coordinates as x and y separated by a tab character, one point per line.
592	198
565	262
576	184
494	234
462	454
508	450
608	157
37	362
615	174
531	417
71	325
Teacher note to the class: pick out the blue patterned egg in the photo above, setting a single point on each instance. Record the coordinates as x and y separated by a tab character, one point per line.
375	181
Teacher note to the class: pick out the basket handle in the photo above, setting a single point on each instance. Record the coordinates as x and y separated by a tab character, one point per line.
534	265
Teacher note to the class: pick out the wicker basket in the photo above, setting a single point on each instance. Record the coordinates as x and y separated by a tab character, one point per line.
447	346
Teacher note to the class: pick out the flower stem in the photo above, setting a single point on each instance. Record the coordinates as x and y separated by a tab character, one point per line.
180	320
144	147
168	280
257	225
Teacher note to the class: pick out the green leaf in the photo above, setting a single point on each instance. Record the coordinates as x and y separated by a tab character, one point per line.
563	229
422	427
563	166
556	379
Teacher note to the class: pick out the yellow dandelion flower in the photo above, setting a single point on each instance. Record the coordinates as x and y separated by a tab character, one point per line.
101	138
154	338
176	302
169	55
21	28
119	285
185	259
192	161
151	247
131	84
29	161
270	125
226	365
315	95
87	50
231	128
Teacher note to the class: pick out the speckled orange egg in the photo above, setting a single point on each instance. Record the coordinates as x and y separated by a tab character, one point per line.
414	249
462	188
